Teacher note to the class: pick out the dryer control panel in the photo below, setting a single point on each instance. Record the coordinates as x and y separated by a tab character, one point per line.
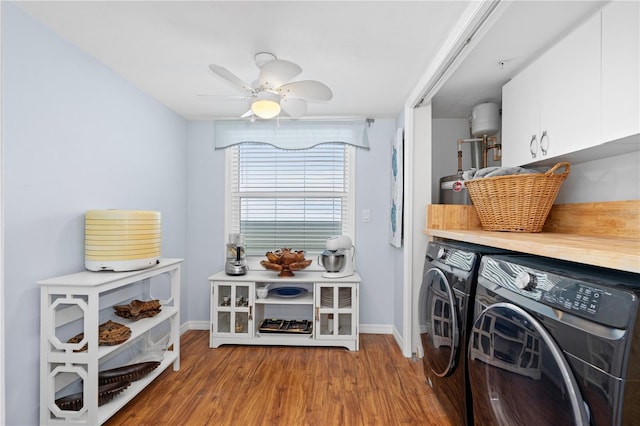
451	257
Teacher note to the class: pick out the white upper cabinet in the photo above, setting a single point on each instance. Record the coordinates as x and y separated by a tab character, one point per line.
571	97
553	106
521	119
620	70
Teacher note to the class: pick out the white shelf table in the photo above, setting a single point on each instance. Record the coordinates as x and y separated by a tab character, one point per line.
85	298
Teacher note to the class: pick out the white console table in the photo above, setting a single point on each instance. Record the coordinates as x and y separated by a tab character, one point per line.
80	302
330	304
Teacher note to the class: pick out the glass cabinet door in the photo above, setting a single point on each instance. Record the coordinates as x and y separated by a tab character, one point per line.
233	309
335	310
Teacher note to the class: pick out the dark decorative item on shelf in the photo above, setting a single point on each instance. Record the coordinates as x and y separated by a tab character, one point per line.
288	292
286	326
285	261
242	301
129	373
137	309
106	393
110	333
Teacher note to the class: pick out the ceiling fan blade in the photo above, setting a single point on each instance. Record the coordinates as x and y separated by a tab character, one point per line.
230	77
247	114
293	107
306	89
275	73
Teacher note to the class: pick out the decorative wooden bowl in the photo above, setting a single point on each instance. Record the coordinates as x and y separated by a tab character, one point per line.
137	309
110	333
129	373
285	261
106	393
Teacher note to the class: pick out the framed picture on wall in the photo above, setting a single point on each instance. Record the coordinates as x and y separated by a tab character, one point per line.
395	225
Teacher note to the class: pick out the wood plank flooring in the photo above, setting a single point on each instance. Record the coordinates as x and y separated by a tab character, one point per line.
289	386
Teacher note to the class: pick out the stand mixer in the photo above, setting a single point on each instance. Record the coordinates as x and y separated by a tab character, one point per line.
338	258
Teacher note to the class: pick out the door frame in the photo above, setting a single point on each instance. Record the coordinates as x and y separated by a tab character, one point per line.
475	22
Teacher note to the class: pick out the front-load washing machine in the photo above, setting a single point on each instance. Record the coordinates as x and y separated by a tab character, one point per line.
445	311
554	343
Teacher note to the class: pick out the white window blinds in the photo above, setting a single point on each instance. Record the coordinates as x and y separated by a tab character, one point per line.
295	199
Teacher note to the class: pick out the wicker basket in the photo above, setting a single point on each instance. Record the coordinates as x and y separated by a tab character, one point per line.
516	203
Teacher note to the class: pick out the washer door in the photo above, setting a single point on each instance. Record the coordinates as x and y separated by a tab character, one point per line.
518	374
439	323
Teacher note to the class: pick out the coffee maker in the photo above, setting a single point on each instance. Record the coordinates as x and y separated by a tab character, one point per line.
338	258
236	263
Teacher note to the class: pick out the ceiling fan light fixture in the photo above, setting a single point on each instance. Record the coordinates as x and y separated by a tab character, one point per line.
266	106
265	109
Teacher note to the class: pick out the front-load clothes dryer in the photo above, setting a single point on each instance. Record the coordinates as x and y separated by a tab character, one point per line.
554	343
445	310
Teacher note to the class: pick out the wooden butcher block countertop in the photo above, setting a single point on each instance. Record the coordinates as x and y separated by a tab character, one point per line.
603	234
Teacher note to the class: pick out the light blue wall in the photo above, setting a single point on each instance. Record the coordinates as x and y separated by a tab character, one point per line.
398	258
76	137
206	216
374	254
605	179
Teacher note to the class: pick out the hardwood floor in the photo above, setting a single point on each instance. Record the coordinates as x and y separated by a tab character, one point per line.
273	385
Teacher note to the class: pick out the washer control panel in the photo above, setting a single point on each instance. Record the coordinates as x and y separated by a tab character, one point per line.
578	297
581	294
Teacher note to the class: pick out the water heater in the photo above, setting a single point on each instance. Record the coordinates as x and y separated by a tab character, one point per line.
121	240
485	120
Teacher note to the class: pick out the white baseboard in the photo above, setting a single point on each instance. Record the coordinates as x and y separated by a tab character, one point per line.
194	325
398	338
376	329
364	328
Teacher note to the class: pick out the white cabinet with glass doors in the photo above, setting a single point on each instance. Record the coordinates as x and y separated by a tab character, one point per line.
304	310
233	306
335	316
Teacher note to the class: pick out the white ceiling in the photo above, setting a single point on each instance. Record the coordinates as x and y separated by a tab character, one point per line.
523	31
372	54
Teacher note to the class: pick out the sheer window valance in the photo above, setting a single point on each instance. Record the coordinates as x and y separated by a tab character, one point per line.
291	134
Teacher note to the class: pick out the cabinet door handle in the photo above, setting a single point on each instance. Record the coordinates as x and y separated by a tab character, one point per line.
544	147
250	312
533	146
317	313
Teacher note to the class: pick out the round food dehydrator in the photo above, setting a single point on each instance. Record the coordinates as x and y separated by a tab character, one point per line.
121	240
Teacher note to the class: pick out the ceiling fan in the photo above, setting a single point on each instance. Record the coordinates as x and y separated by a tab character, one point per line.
272	92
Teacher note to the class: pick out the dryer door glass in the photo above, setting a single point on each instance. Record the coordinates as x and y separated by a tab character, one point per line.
517	373
439	323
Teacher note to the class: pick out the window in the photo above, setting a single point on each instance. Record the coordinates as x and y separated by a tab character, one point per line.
297	199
